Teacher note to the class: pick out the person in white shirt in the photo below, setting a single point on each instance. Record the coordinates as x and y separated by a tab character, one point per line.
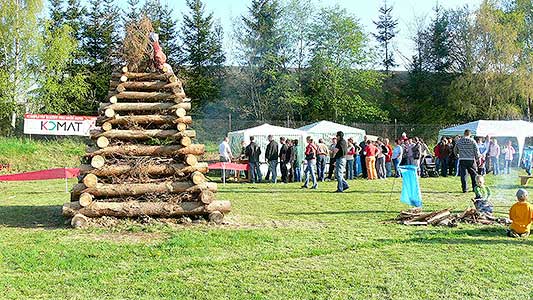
224	151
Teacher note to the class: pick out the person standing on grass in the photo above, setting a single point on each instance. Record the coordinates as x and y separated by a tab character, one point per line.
332	157
444	151
226	156
340	162
468	155
362	155
253	152
508	152
310	157
283	159
494	154
350	151
388	158
370	159
271	156
296	162
380	159
288	161
321	159
397	154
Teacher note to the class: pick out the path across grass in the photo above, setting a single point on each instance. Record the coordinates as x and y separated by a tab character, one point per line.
286	243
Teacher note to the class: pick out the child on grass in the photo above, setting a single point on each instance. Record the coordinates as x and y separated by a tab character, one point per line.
521	215
483	193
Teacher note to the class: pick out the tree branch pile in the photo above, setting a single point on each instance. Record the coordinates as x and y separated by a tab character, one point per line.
143	162
415	217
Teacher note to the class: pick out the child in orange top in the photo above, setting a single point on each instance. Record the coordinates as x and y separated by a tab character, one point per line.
521	214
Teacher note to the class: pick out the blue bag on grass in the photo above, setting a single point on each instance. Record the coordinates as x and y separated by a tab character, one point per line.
410	188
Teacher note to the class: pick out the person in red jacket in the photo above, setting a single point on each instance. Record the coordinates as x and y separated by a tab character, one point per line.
370	154
438	156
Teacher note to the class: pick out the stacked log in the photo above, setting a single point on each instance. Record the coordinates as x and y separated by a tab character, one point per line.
143	162
415	217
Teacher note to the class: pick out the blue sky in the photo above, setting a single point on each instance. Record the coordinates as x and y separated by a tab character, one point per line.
366	11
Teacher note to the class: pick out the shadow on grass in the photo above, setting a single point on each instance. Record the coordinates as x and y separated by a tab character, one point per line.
342	212
27	216
486	235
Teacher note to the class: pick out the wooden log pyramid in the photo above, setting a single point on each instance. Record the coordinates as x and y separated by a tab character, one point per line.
144	162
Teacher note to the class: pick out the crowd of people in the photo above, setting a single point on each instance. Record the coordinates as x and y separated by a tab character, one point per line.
371	159
377	159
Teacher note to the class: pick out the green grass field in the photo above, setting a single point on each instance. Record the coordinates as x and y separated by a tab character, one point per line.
284	243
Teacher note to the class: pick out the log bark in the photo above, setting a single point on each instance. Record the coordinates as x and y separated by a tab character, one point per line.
142	134
148	86
143	150
147	96
135	209
129	106
148	169
144	119
133	189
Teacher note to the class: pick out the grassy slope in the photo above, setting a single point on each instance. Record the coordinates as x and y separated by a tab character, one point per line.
28	155
292	244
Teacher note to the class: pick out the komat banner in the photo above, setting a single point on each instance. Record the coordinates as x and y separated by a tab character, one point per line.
58	124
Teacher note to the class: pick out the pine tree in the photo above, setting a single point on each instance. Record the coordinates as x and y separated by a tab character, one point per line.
203	53
73	17
386	27
56	13
100	44
131	14
262	41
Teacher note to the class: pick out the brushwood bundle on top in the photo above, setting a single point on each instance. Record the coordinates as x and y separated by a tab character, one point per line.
143	162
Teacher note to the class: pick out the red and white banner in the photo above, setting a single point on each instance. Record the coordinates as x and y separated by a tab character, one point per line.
42	175
58	124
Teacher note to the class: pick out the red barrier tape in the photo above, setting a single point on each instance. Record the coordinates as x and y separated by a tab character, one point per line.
58	173
228	166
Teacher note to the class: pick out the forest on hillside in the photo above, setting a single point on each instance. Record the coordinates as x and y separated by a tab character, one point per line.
294	61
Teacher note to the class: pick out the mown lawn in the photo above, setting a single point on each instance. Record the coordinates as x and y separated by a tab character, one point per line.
288	244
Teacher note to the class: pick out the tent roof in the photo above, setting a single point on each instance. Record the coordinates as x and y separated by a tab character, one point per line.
328	127
493	128
267	129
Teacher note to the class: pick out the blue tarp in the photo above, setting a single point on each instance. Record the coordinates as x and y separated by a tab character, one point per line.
410	187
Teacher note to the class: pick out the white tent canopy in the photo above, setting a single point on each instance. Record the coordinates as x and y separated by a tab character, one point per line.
512	129
260	134
327	130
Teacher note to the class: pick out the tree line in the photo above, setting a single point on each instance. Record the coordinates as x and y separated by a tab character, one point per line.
292	60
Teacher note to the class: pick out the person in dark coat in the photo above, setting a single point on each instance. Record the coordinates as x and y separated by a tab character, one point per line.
283	159
253	152
271	156
363	157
